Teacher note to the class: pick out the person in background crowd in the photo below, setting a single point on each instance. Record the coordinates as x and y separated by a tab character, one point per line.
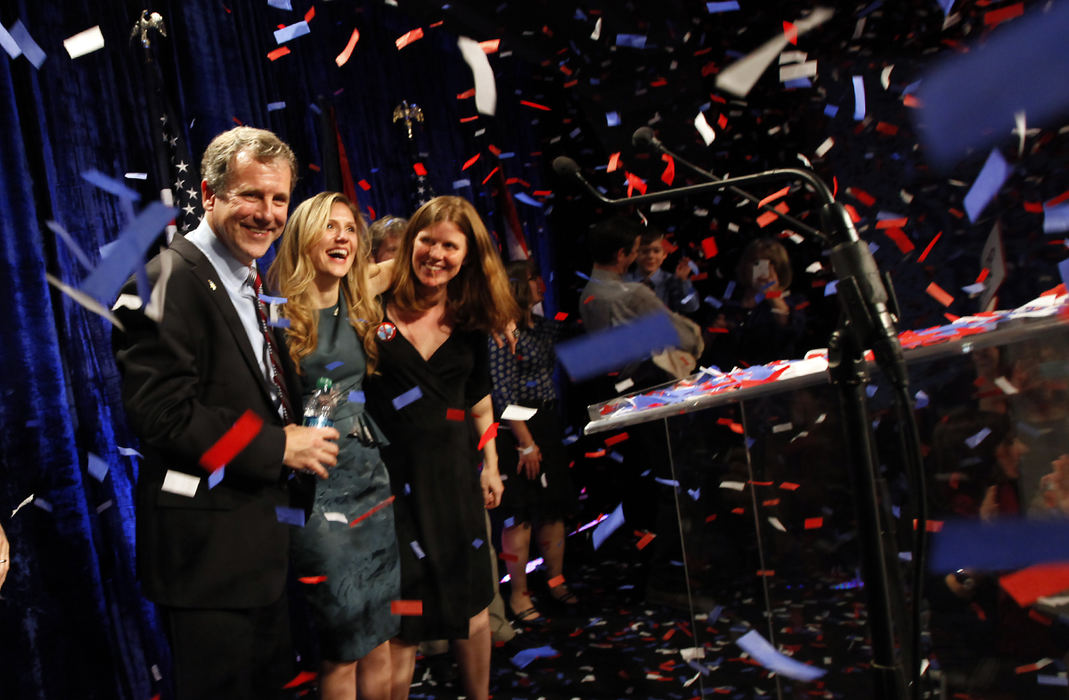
433	377
330	290
763	326
385	236
531	455
673	288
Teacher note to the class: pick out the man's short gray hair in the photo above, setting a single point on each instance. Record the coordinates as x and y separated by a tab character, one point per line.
261	144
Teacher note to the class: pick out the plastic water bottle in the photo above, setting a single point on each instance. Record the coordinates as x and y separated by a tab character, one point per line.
319	409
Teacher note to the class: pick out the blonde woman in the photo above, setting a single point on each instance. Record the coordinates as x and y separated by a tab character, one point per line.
431	395
346	554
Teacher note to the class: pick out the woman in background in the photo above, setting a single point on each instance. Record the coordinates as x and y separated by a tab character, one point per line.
531	456
346	554
431	387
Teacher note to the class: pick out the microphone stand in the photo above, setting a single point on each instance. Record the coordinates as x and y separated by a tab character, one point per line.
866	322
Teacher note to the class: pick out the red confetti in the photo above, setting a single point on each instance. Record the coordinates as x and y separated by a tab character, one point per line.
313	166
312	579
232	442
634	182
997	17
646	539
555	581
408	37
560	316
887	129
766	572
466	94
892	223
814	523
861	195
939	294
789	486
420	170
406	607
454	414
535	105
791	32
1055	201
489	435
928	249
982	276
490	46
609	442
1028	585
301	678
709	247
595	454
364	185
900	238
722	122
374	510
496	151
470	161
278	53
490	175
310	14
614	162
669	174
465	120
774	196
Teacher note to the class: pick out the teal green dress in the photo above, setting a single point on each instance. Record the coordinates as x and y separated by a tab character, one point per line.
351	605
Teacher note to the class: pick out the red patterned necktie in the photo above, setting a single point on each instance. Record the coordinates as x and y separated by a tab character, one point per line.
275	368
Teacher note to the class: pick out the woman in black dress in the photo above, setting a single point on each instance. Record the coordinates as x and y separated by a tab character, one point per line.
431	388
346	554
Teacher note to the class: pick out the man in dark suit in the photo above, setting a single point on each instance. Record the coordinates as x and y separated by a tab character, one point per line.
214	555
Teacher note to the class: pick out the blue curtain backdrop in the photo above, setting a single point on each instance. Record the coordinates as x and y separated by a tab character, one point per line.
72	622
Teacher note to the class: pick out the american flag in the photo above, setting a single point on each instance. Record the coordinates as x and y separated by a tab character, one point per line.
422	191
182	190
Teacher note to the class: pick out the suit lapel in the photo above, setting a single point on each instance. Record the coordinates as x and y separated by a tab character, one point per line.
206	273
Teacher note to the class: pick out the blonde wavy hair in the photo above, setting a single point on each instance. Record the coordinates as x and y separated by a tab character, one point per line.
478	298
293	274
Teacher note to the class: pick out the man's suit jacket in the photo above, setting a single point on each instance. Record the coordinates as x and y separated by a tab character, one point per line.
186	381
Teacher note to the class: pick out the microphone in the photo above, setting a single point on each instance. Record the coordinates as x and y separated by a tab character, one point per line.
568	170
644	138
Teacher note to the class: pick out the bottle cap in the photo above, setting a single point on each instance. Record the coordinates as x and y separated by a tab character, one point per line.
324	383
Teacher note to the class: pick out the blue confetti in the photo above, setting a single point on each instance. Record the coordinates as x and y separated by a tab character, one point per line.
1006	543
831	288
525	657
291	32
969	99
528	200
334	365
281	4
417	549
457	184
635	41
612	118
275	106
110	185
798	83
413	394
608	526
33	53
987	184
215	477
273	300
859	98
666	482
1056	219
608	350
717	7
290	516
8	43
831	110
278	322
98	468
476	543
356	396
104	282
1063	270
921	399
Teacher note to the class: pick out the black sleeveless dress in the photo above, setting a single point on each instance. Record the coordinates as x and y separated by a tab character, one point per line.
423	408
